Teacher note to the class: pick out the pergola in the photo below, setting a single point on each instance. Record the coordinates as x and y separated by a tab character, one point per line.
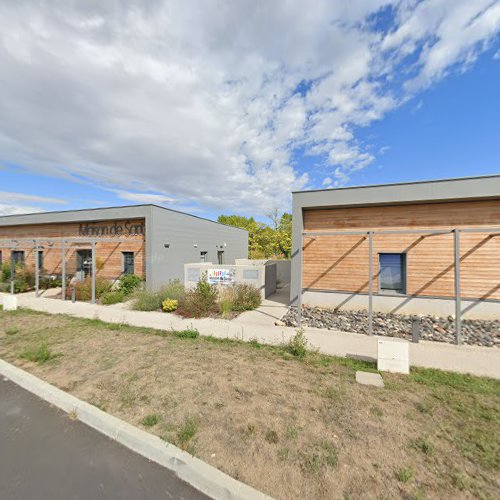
56	243
492	232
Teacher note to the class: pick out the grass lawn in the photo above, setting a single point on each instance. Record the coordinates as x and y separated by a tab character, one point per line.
293	428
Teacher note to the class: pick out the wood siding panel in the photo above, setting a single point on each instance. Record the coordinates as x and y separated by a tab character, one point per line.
108	254
341	262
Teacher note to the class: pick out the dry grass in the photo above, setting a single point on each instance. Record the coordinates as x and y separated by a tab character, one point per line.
293	428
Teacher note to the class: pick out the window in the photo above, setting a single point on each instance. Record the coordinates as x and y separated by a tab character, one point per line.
40	259
203	256
17	257
128	262
220	256
392	277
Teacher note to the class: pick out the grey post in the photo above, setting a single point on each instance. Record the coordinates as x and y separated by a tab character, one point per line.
12	271
370	286
93	272
37	271
299	297
63	269
458	305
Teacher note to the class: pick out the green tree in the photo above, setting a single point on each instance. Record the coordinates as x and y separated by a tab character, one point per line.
264	242
284	235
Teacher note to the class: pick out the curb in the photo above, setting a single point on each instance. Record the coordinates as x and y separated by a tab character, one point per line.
202	476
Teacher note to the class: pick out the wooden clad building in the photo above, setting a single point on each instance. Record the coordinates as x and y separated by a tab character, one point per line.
415	230
150	241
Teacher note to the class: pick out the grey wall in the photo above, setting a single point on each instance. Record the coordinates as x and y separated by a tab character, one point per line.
182	232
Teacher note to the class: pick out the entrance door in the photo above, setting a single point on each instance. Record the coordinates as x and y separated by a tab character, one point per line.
83	263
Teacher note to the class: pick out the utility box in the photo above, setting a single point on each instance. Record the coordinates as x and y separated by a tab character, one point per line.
393	356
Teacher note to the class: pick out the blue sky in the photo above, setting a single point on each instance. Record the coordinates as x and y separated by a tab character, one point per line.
171	106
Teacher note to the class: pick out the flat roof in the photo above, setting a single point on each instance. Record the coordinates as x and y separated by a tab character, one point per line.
432	191
403	183
80	215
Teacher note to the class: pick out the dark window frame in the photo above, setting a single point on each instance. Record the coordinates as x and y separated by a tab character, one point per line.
404	275
220	257
15	260
125	265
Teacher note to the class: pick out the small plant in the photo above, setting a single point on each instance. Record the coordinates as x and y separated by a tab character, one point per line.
144	300
112	297
226	307
272	436
320	455
169	305
422	445
83	289
186	432
298	345
246	297
199	302
150	420
128	283
40	355
404	474
12	330
187	334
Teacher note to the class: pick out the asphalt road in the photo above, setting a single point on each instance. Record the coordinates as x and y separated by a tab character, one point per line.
46	455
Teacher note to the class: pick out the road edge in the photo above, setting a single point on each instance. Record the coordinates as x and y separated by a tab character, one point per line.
200	475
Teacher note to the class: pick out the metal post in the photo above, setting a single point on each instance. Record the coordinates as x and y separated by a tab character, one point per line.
12	272
299	298
370	290
63	268
458	304
93	272
37	271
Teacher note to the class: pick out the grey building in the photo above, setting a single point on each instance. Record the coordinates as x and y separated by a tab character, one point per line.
147	240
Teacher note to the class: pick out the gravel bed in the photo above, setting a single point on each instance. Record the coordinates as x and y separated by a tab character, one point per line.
474	332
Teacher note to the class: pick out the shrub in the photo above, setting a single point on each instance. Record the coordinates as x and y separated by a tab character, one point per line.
128	283
298	345
240	297
5	272
112	297
246	297
169	305
145	300
173	290
24	278
83	289
200	301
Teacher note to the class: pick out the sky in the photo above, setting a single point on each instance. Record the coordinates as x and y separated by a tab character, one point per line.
228	106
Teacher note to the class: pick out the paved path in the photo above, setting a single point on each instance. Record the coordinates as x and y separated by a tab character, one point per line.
46	456
259	325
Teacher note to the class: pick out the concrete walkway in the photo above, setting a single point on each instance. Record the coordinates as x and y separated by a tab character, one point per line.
46	455
259	325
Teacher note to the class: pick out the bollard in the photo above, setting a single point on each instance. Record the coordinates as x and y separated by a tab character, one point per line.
73	295
415	330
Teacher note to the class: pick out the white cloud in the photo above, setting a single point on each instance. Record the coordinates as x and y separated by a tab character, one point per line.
145	197
7	196
17	209
196	101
